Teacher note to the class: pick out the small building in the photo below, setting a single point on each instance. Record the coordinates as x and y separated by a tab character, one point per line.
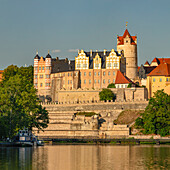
159	79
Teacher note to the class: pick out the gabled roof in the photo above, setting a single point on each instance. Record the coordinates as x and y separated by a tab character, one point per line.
121	79
126	33
146	63
164	60
162	69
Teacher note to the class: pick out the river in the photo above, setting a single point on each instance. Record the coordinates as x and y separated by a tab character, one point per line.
86	157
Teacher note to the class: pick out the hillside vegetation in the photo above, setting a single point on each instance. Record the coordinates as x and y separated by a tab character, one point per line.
128	116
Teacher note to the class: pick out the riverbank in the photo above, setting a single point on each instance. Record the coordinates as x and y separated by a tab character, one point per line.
110	141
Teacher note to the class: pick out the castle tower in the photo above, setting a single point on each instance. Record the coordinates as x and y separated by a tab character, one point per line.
48	68
128	44
36	60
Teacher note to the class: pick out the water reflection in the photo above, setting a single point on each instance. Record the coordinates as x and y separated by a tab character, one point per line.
83	157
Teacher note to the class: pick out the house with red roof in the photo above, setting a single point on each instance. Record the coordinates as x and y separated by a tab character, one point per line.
159	78
122	81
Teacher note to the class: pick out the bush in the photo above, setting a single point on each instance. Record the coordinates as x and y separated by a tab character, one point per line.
112	85
107	94
139	123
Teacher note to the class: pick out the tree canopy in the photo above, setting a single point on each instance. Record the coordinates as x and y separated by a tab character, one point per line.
106	94
112	85
19	105
156	118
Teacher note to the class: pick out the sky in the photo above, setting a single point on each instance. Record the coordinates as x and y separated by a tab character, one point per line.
63	26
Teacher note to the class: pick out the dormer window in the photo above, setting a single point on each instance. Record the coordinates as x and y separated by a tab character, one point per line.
126	41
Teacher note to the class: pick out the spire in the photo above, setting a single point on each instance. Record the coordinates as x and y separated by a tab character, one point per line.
126	24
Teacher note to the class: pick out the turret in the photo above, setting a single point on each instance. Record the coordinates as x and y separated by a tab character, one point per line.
36	60
128	44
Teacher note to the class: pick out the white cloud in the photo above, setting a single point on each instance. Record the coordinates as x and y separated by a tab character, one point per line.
73	50
56	51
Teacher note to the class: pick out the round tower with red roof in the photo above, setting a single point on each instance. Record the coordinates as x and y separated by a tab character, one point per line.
128	44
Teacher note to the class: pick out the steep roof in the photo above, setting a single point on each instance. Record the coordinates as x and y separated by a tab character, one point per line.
146	63
121	79
126	33
162	69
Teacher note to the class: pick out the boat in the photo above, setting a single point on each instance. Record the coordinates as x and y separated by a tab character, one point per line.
26	138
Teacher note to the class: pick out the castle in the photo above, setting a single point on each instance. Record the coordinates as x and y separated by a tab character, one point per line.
89	70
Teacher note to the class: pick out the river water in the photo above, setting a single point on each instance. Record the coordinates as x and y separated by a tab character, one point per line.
86	157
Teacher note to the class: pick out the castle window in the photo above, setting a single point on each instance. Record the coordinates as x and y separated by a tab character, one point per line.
109	65
113	80
47	76
41	76
41	84
95	73
68	74
121	86
126	41
84	81
160	79
104	73
109	73
115	64
89	81
78	65
109	81
35	84
117	86
89	73
39	68
70	81
97	65
47	68
84	73
42	68
71	74
153	79
114	73
36	76
104	81
98	73
36	68
95	81
98	81
84	65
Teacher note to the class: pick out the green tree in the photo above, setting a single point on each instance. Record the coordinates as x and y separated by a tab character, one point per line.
19	105
156	118
129	85
106	94
112	85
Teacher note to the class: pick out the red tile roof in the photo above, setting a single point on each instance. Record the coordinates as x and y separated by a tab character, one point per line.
121	79
147	63
161	60
162	69
126	33
164	60
138	68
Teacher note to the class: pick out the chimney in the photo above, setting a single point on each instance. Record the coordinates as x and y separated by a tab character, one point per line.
91	53
104	51
66	60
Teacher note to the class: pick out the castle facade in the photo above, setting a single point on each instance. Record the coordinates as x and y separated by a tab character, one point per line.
89	70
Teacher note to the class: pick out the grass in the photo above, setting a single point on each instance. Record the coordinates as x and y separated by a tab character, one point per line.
87	114
128	116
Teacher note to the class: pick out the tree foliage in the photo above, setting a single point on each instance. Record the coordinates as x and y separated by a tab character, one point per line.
19	105
156	118
112	85
107	94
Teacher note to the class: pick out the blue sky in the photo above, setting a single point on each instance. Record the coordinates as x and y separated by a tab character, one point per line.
62	26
